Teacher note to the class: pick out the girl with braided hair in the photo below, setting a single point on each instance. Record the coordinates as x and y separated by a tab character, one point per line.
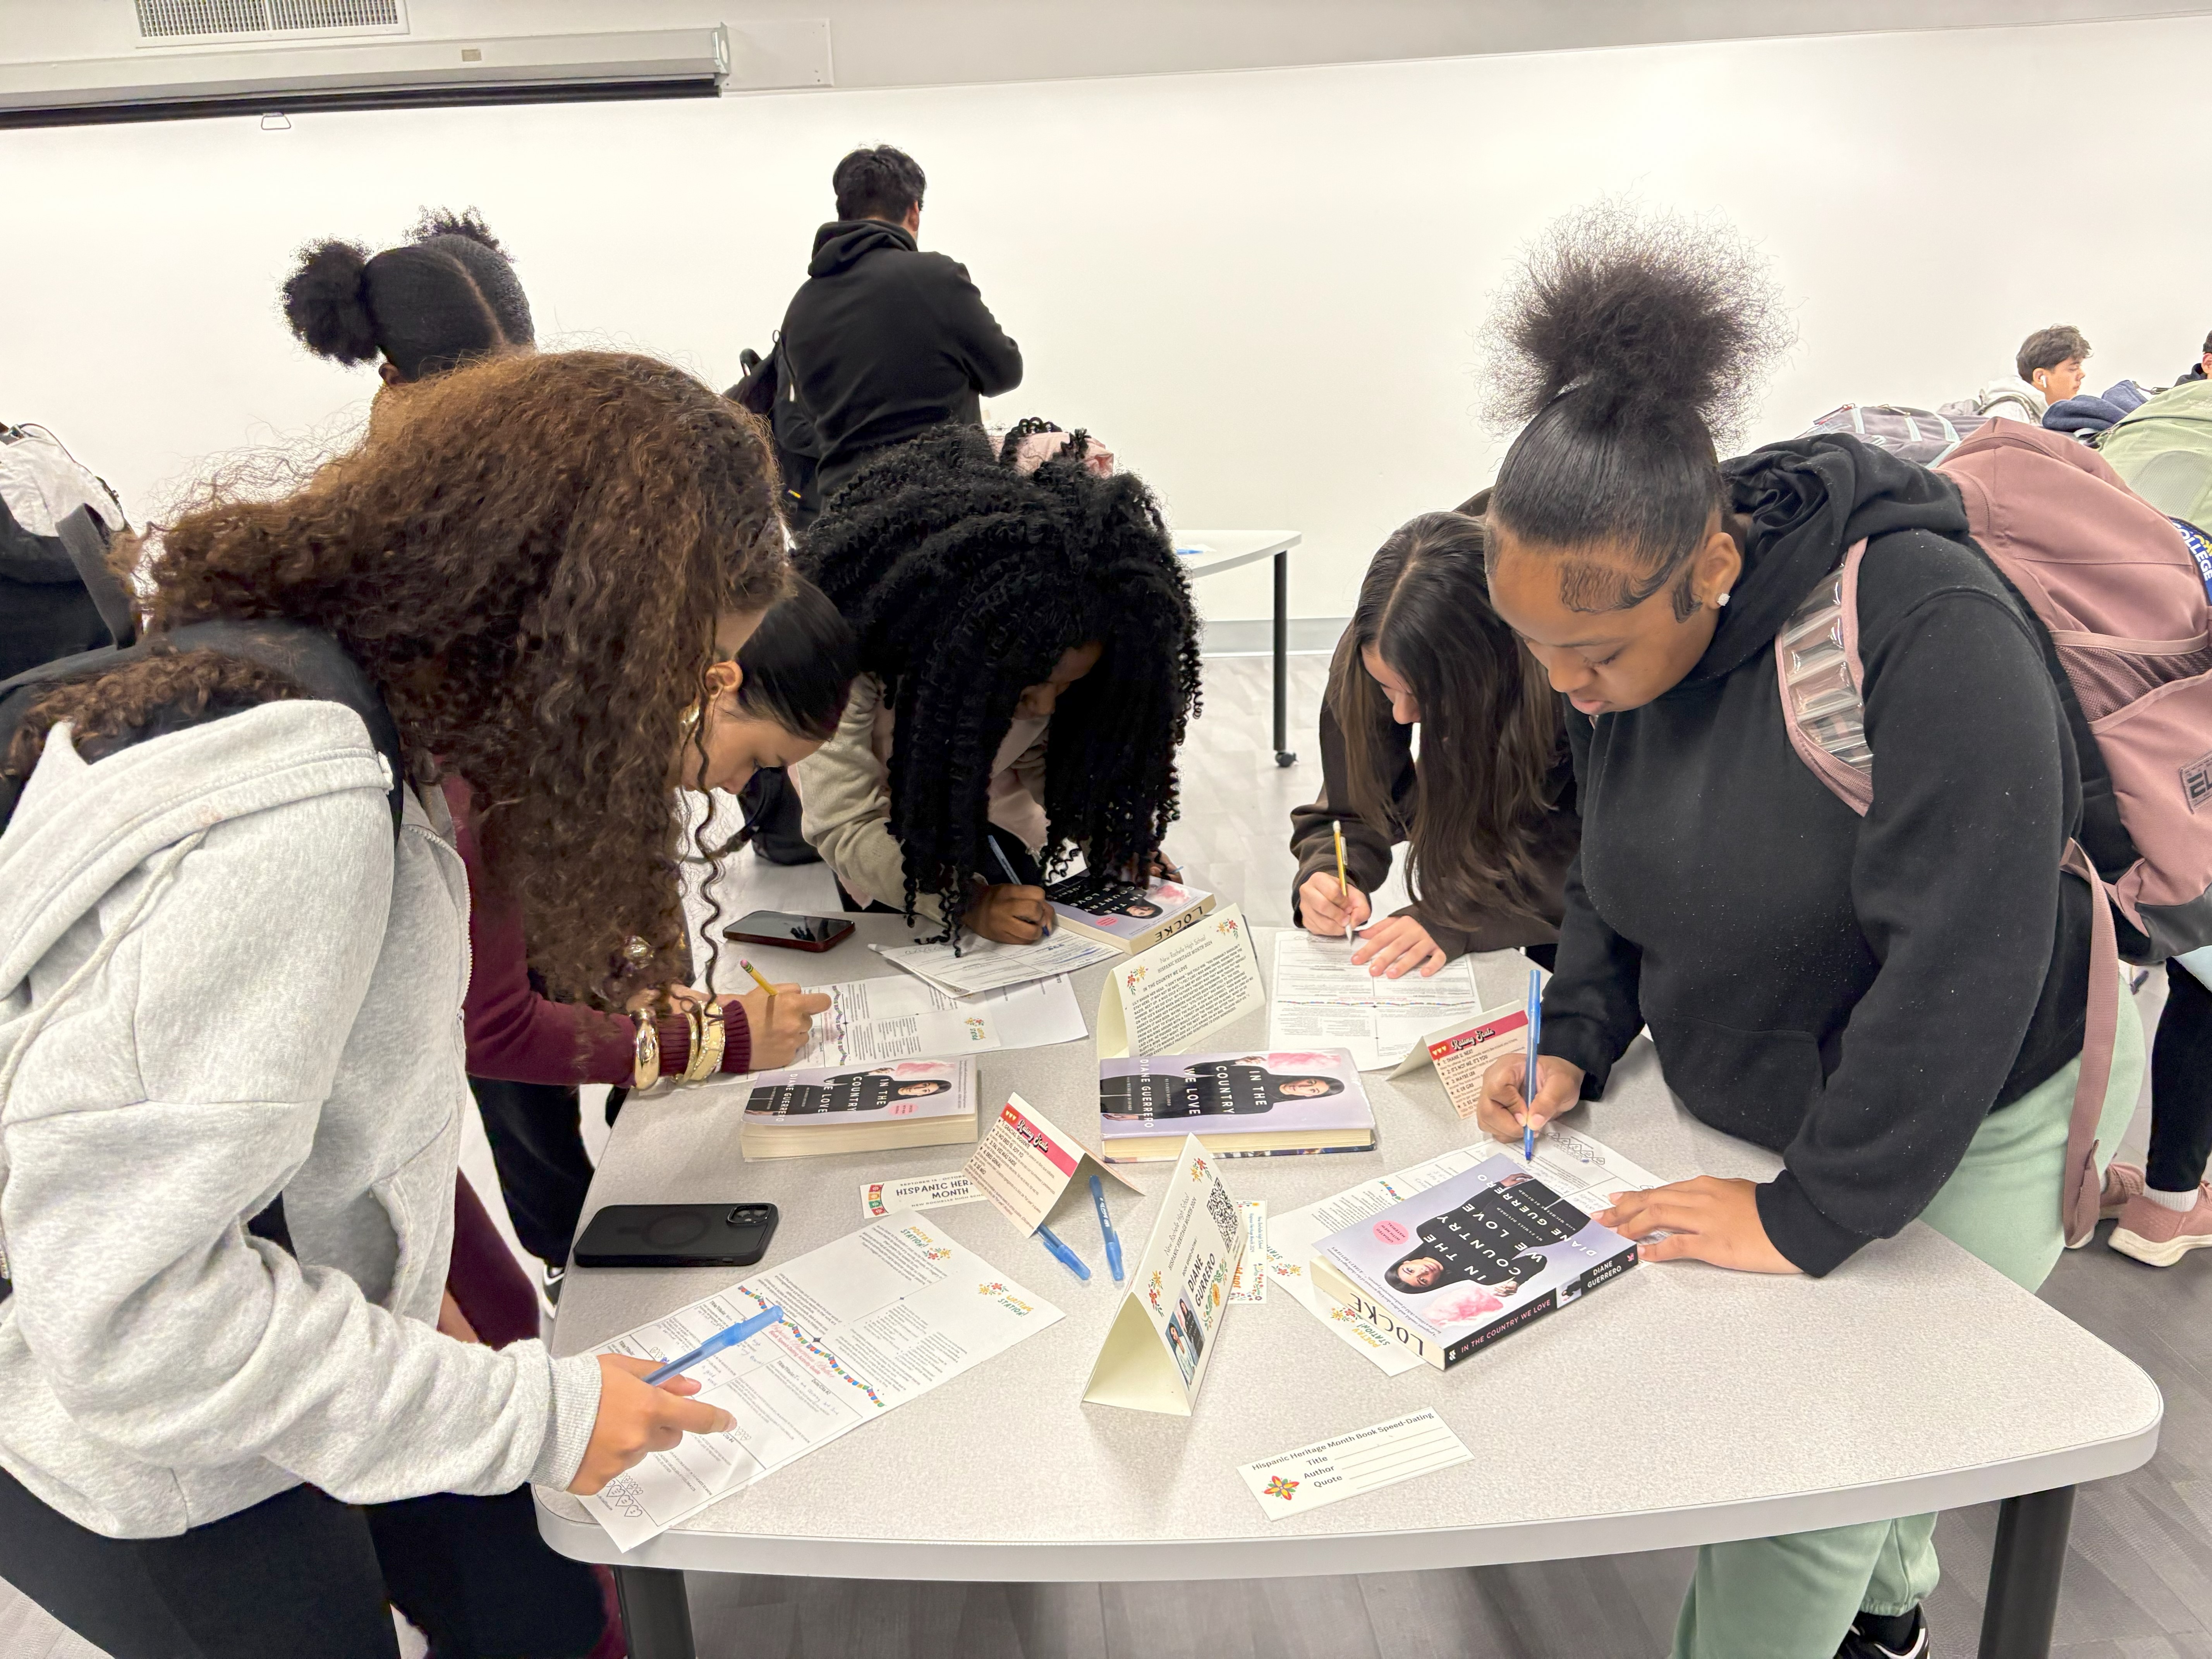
1029	660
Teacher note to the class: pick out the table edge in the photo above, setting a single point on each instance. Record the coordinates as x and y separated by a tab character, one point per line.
1291	539
1301	1554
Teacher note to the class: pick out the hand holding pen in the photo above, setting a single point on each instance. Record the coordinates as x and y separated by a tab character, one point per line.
1013	911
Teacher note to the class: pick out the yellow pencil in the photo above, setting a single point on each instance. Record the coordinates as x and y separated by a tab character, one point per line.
1336	828
762	983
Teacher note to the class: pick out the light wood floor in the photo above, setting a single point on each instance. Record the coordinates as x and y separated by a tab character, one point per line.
2138	1582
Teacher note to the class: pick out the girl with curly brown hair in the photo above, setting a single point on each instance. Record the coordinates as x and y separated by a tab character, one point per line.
231	1064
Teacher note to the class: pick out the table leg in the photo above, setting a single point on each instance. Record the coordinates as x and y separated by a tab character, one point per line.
2031	1553
655	1617
1282	755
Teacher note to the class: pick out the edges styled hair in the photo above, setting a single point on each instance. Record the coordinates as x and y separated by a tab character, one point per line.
446	296
1482	815
967	582
1629	345
527	557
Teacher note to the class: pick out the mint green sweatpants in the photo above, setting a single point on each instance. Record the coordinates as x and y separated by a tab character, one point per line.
1794	1597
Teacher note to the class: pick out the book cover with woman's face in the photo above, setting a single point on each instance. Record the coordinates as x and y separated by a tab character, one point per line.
1252	1090
848	1094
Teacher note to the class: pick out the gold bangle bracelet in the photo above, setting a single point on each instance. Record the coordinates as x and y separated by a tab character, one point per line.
708	1059
645	1070
693	1025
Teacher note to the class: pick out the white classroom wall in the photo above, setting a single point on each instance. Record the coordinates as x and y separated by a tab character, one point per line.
1262	287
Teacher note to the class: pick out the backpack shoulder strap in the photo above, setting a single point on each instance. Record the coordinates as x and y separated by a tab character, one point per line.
311	659
1822	683
86	543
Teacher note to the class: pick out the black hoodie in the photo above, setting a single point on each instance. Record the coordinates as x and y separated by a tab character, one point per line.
884	342
1857	994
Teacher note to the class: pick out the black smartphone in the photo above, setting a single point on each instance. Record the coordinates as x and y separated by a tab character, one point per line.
677	1236
787	931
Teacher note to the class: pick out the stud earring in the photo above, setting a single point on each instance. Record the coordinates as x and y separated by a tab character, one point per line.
1722	600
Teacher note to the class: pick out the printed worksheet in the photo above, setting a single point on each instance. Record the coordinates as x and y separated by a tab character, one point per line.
871	1021
986	965
1291	1482
1577	1167
877	1319
1322	1001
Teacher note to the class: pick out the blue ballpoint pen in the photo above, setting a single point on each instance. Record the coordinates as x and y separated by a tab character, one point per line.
1106	1228
721	1339
1068	1258
1529	1087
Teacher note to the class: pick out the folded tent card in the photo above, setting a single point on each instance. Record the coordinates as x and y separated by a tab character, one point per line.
1186	987
1164	1332
1025	1164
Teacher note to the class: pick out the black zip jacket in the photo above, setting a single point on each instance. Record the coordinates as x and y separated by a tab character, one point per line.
1857	994
884	342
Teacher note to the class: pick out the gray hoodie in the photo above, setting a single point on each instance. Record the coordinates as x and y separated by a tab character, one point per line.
220	981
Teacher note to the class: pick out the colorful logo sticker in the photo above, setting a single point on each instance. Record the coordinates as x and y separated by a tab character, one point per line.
1279	1487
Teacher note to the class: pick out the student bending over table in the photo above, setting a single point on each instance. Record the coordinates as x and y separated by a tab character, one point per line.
776	703
1027	659
231	1066
1893	1002
1491	814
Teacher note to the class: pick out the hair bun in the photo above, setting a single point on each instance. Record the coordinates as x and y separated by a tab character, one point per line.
1659	309
444	222
326	302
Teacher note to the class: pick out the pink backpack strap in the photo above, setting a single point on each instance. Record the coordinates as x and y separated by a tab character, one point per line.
1822	682
2082	1184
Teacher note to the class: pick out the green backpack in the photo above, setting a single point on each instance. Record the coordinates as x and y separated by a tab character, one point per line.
2164	452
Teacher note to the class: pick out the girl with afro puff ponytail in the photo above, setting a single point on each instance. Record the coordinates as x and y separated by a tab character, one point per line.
1028	662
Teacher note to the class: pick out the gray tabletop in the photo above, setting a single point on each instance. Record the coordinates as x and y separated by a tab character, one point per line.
1680	1405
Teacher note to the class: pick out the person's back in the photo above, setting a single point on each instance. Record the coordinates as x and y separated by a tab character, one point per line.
884	341
46	610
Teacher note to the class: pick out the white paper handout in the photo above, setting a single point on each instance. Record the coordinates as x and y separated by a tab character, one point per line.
1322	1001
877	1319
1024	1165
1187	987
986	965
870	1021
1579	1168
1162	1339
1249	1283
1292	1482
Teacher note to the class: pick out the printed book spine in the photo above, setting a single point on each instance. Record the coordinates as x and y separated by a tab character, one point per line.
1332	1282
1143	941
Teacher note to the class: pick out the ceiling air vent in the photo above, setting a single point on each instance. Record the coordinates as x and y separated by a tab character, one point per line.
179	22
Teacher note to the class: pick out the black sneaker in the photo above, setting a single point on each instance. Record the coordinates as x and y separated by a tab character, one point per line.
553	1277
1875	1636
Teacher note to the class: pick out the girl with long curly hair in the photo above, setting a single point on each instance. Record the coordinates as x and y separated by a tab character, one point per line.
1029	659
1489	809
231	1064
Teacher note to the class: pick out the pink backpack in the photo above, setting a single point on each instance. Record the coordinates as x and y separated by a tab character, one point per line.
2128	610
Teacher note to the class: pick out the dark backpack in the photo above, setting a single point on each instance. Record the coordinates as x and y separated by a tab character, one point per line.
768	392
307	657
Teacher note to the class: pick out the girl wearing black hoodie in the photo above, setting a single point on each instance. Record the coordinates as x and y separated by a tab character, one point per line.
1895	1003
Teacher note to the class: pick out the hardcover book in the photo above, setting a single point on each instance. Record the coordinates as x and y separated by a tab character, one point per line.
848	1109
1475	1257
1240	1105
1129	916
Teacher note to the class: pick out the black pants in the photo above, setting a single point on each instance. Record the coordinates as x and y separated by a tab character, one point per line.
538	1145
2181	1084
302	1574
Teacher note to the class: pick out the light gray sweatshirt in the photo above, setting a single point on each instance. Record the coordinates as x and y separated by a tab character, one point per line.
220	981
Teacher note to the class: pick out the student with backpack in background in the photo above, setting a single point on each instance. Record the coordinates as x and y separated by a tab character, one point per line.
2049	371
1489	811
57	596
1895	1000
231	1068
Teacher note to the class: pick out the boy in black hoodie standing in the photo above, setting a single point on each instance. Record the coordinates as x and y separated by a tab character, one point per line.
885	341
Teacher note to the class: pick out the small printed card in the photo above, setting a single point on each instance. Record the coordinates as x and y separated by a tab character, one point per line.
1025	1164
1162	1337
1462	1051
1187	986
1250	1282
1292	1482
881	1198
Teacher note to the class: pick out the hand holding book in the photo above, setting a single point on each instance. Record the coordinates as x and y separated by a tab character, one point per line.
1503	1112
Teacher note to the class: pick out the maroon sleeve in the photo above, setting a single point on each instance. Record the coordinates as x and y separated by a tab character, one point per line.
517	1036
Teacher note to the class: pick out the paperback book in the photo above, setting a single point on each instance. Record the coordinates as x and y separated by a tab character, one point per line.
1247	1105
1131	916
1452	1269
829	1108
